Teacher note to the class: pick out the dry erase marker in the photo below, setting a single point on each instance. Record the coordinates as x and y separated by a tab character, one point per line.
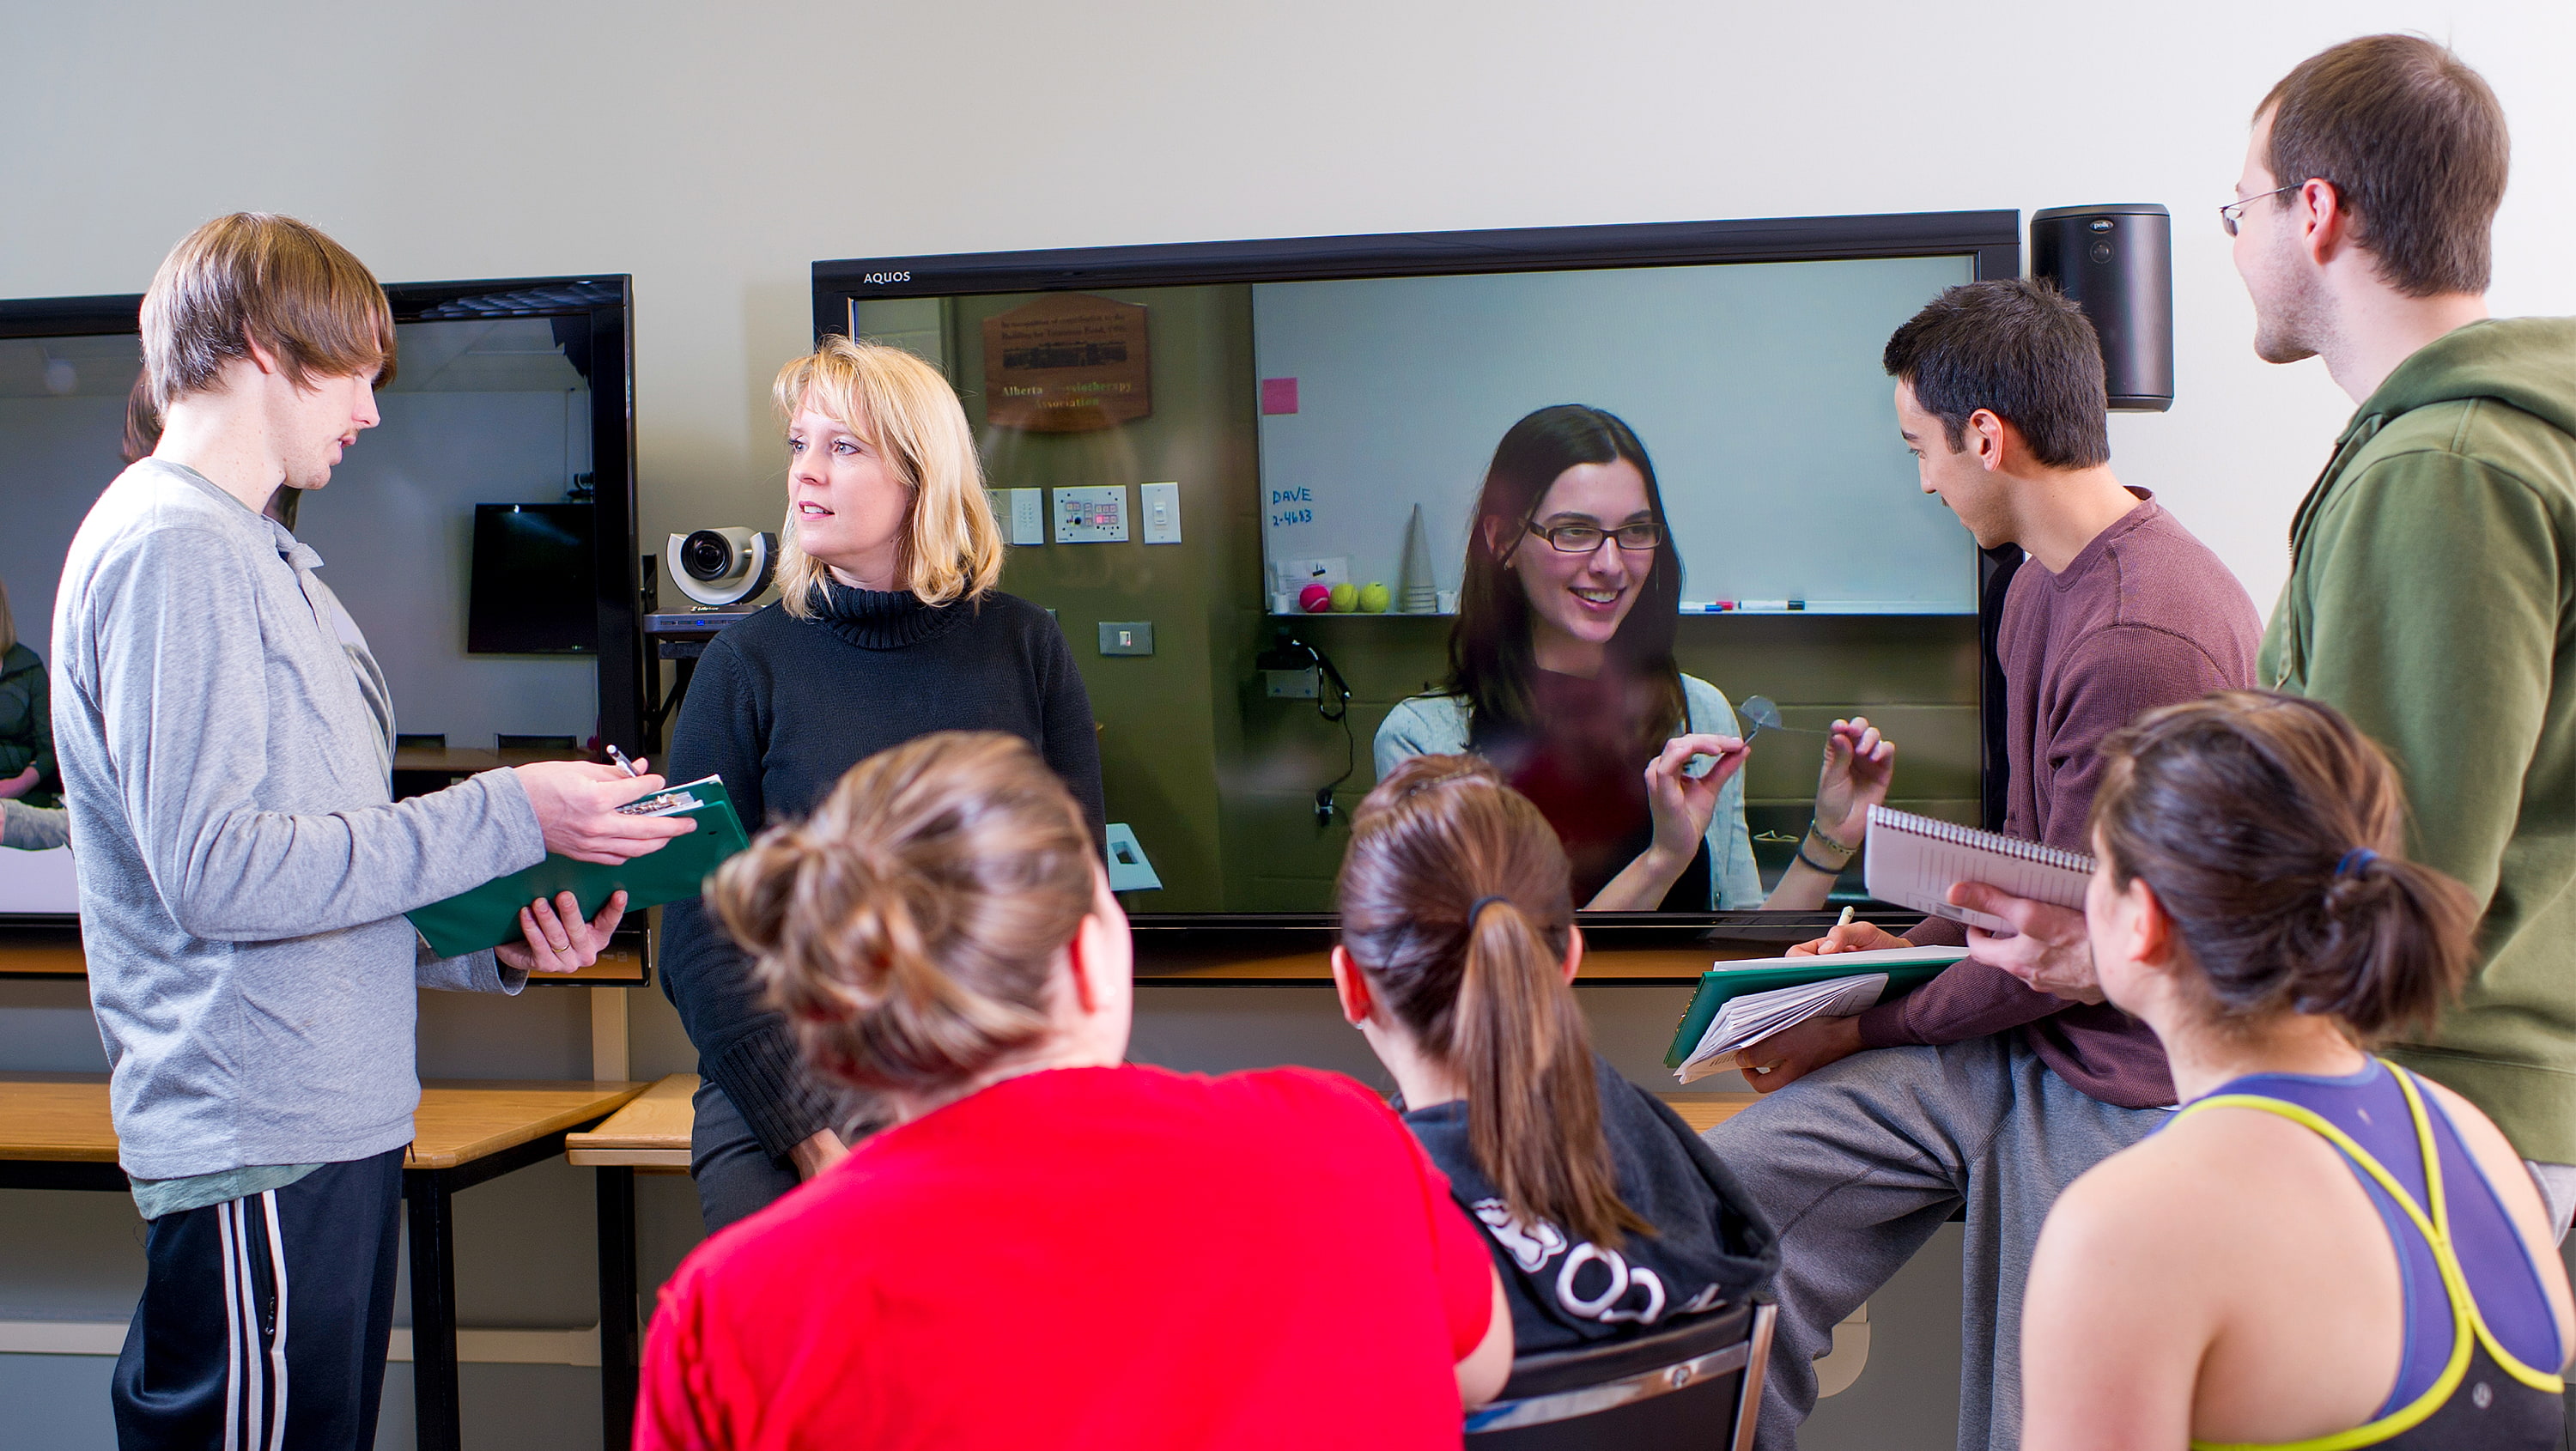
623	764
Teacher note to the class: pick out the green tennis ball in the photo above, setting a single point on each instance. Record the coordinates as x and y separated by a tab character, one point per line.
1375	597
1346	598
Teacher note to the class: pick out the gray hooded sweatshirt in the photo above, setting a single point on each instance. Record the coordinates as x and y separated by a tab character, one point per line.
227	751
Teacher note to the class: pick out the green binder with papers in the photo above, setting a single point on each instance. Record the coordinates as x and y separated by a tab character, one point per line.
488	915
1905	969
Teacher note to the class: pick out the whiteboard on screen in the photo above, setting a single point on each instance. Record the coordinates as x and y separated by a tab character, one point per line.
38	881
1756	388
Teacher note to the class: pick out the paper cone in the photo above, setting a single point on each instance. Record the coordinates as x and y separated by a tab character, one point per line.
1417	592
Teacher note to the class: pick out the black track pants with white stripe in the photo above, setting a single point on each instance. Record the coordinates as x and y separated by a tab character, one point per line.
264	1319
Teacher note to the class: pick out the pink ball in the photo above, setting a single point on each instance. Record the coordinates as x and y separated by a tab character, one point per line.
1316	599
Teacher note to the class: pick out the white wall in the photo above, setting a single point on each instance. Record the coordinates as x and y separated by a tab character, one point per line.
715	151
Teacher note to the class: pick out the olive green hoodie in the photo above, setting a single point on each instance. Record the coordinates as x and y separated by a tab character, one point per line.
2432	598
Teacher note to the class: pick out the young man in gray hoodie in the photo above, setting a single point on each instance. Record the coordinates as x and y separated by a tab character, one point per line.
226	743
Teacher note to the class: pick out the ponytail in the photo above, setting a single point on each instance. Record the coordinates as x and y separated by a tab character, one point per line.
2270	830
1479	979
1533	1110
2393	946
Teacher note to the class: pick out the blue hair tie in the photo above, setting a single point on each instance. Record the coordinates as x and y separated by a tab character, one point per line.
2354	860
1477	908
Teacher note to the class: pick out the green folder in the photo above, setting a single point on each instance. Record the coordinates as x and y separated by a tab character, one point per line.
1728	981
488	915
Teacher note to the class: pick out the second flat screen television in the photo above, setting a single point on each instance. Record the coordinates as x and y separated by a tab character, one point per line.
1243	475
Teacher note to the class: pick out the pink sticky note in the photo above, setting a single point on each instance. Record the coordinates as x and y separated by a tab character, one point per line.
1278	395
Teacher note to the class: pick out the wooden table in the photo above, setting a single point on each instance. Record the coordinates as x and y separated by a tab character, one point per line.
650	1135
56	1133
56	952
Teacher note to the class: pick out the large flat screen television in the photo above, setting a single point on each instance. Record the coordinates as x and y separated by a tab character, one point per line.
1269	453
507	394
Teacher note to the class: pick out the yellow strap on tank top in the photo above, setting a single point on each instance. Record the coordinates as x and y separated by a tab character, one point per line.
2435	1226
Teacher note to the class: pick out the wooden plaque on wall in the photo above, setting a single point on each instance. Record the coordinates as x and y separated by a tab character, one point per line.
1067	363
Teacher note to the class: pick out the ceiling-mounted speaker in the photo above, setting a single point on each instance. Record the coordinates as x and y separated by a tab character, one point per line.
2117	263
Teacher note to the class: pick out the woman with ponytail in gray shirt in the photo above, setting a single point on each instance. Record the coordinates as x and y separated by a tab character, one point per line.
1606	1215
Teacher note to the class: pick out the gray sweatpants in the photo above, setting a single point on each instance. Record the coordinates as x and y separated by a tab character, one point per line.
1857	1164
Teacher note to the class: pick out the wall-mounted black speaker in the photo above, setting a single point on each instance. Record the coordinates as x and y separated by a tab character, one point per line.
2117	263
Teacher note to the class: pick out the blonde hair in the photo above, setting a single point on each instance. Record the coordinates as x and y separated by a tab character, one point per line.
255	277
908	929
951	548
8	625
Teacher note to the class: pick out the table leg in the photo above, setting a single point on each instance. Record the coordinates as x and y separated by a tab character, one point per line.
433	1314
618	1338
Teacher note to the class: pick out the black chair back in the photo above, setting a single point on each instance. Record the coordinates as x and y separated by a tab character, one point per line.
1696	1386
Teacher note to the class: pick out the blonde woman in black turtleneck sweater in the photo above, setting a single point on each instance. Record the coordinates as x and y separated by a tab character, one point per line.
887	627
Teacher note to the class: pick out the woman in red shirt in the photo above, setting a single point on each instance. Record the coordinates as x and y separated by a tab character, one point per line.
1048	1248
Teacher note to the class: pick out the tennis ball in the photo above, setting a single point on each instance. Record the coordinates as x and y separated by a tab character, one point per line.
1375	597
1346	598
1315	598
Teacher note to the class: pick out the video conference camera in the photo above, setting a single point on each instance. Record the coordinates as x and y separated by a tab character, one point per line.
721	566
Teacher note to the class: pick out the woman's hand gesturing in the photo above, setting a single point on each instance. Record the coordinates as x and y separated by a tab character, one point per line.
1682	804
1859	763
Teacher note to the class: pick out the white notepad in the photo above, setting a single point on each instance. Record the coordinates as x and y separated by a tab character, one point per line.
1913	861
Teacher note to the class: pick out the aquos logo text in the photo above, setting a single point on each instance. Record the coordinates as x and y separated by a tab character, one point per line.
879	279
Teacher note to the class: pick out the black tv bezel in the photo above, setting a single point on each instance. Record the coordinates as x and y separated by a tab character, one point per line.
612	436
606	301
1991	238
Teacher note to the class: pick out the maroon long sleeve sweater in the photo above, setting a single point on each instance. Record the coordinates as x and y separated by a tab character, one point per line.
2144	616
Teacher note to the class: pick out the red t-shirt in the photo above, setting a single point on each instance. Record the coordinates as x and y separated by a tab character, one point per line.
1095	1257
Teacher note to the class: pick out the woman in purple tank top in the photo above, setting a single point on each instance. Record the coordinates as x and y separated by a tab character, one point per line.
2319	1250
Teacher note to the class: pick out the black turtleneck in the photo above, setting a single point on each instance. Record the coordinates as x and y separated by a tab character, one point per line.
781	708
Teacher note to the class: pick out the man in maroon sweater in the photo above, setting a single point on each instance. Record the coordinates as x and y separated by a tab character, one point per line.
1977	1090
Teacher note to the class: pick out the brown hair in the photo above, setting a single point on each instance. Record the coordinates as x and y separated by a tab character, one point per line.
142	421
257	277
2271	831
1456	905
1490	658
2018	348
909	927
2415	144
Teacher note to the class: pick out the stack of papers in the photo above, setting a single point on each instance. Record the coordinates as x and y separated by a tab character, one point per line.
1739	1004
1748	1020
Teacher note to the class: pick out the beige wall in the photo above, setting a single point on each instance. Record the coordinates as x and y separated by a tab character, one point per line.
715	151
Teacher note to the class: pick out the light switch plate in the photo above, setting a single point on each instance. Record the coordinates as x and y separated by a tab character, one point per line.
1160	511
1095	515
1126	637
1021	513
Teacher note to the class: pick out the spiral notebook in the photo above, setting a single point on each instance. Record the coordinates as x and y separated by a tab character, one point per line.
1913	861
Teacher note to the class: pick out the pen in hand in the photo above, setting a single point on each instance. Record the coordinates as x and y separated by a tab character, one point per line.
1840	922
628	767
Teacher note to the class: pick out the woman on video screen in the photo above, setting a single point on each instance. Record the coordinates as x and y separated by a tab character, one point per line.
1561	672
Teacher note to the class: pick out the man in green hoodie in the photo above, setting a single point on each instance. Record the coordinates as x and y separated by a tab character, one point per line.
2432	590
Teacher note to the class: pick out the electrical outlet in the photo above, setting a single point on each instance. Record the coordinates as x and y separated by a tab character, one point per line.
1160	509
1126	637
1306	684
